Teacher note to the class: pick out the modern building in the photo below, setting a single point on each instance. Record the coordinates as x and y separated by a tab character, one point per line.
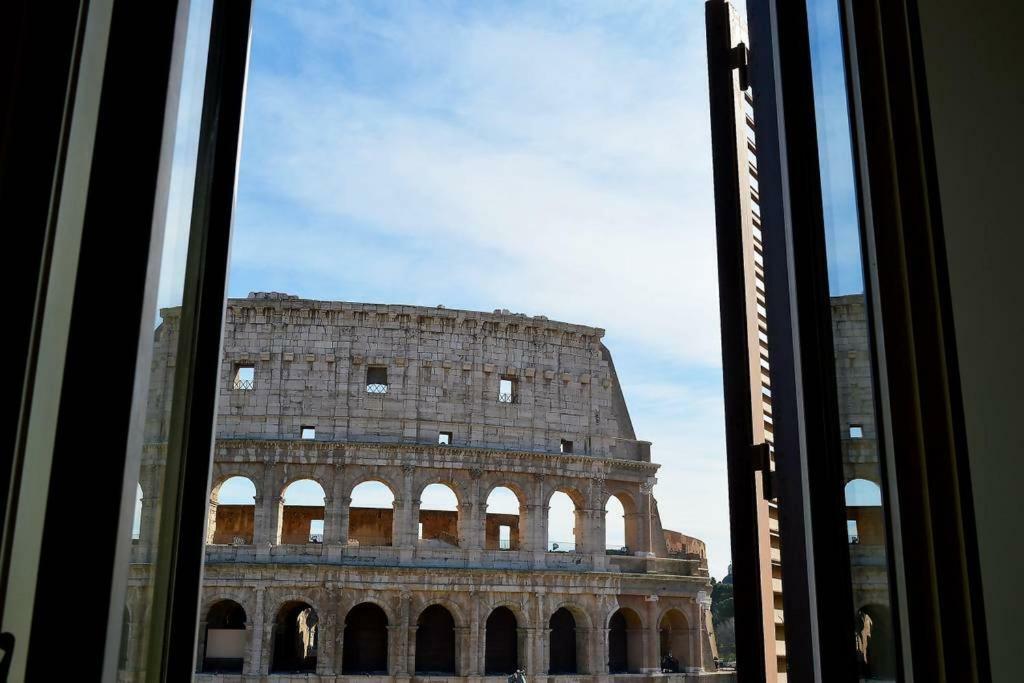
342	394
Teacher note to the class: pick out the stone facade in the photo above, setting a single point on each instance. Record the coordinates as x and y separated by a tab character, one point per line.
525	403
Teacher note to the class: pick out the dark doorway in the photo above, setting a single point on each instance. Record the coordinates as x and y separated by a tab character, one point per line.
224	650
365	647
618	652
295	639
501	648
435	642
880	659
563	642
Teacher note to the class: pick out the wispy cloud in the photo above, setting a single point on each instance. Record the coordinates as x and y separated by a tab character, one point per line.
549	158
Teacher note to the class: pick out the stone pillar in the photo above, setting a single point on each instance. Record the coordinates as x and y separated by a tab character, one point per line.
211	520
526	644
254	645
410	648
528	534
469	537
646	526
201	646
325	642
398	650
585	650
602	651
344	511
652	642
477	641
463	651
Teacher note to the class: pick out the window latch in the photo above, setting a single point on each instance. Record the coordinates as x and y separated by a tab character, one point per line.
739	58
762	460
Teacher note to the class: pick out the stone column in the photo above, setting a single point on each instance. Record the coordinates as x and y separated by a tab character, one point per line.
476	643
201	646
652	642
526	645
211	520
602	651
585	650
254	645
469	538
463	651
398	650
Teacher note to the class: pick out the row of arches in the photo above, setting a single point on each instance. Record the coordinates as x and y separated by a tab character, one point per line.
365	641
370	518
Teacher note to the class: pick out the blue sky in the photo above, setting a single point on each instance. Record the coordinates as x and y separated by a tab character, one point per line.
545	157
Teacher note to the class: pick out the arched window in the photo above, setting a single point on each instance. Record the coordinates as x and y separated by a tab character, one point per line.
625	642
615	527
439	517
501	646
371	514
365	647
502	523
564	529
435	642
675	640
562	643
224	647
295	639
863	493
302	516
864	520
232	512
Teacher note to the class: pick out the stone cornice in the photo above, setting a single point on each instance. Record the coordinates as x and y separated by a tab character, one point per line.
359	452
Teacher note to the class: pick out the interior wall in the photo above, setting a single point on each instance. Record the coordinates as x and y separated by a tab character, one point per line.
972	66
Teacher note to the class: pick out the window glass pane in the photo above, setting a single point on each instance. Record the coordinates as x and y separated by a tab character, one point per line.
177	228
858	433
407	171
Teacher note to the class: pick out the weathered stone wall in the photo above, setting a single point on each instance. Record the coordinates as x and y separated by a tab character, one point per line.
443	370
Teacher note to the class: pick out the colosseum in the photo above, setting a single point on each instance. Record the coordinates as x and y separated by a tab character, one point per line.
339	396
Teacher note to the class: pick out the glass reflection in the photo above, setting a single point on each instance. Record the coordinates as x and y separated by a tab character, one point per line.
866	532
132	662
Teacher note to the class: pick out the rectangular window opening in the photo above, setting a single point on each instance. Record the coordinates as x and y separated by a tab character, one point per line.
507	390
504	537
376	380
245	377
419	531
309	432
566	446
851	532
444	438
316	531
856	432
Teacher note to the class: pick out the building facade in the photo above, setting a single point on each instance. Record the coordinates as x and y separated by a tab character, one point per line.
342	394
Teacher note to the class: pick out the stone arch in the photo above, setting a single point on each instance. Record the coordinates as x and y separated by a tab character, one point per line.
224	637
629	528
232	521
370	525
439	527
555	525
303	521
876	645
563	642
674	636
365	640
436	642
295	638
501	642
625	641
502	528
864	517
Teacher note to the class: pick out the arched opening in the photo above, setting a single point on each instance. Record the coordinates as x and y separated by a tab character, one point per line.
371	514
502	523
674	630
875	647
615	527
137	515
864	521
224	650
625	642
439	517
365	647
562	642
295	639
435	642
302	516
501	643
232	512
564	527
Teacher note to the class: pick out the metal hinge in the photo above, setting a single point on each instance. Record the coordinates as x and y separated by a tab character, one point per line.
762	461
739	58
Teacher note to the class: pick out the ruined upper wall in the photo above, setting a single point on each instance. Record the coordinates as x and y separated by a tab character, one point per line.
443	369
